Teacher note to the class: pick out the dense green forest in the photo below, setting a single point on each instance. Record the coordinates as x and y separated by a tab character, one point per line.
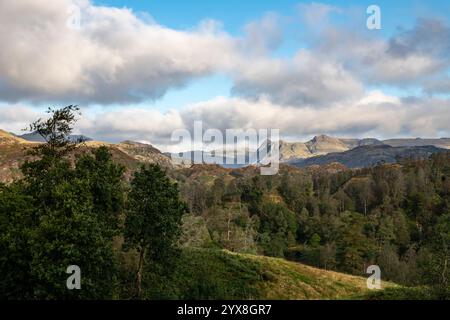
159	234
395	216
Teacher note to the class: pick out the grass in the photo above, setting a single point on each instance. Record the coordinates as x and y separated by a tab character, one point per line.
219	274
296	281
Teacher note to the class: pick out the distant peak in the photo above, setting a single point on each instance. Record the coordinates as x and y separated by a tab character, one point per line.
323	138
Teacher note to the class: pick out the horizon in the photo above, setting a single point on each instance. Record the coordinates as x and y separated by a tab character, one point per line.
251	148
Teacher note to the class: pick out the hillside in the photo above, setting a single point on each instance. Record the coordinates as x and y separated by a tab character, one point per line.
11	155
8	138
366	156
14	151
220	274
440	143
144	153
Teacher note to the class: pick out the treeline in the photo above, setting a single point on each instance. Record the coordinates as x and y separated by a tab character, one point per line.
79	211
395	216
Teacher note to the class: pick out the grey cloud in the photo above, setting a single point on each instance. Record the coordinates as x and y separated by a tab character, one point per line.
440	85
428	37
407	59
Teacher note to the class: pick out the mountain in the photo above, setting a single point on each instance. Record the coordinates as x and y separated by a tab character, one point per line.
189	158
36	137
293	150
440	143
354	143
13	152
320	150
366	156
320	145
324	144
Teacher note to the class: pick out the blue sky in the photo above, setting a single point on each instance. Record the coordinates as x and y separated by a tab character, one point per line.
234	14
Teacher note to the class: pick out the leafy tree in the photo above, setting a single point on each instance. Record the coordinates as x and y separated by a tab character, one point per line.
436	268
15	255
106	185
278	227
56	205
153	222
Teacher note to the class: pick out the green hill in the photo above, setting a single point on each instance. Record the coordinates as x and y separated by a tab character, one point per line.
220	274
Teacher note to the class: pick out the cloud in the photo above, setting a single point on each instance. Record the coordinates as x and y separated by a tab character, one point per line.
263	35
15	117
119	57
373	115
407	59
131	124
114	57
305	79
316	15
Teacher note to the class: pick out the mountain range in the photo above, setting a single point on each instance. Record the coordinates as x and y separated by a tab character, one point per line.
322	150
323	144
367	156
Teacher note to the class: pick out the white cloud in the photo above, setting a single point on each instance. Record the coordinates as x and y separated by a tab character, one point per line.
306	79
114	57
15	118
263	35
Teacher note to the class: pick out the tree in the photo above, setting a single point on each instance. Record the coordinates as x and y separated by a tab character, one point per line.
15	254
53	216
278	228
153	222
106	185
436	268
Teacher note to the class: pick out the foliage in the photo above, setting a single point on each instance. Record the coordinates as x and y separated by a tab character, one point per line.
59	215
153	220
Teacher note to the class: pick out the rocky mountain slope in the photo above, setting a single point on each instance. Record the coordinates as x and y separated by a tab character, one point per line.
366	156
323	145
320	145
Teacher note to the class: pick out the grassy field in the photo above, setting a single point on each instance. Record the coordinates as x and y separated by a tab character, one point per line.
219	274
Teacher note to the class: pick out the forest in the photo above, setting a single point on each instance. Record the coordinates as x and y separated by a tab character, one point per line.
395	216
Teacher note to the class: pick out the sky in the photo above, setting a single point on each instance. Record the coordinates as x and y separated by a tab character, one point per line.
141	70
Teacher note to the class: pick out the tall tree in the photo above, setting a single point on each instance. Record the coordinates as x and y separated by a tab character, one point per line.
153	222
